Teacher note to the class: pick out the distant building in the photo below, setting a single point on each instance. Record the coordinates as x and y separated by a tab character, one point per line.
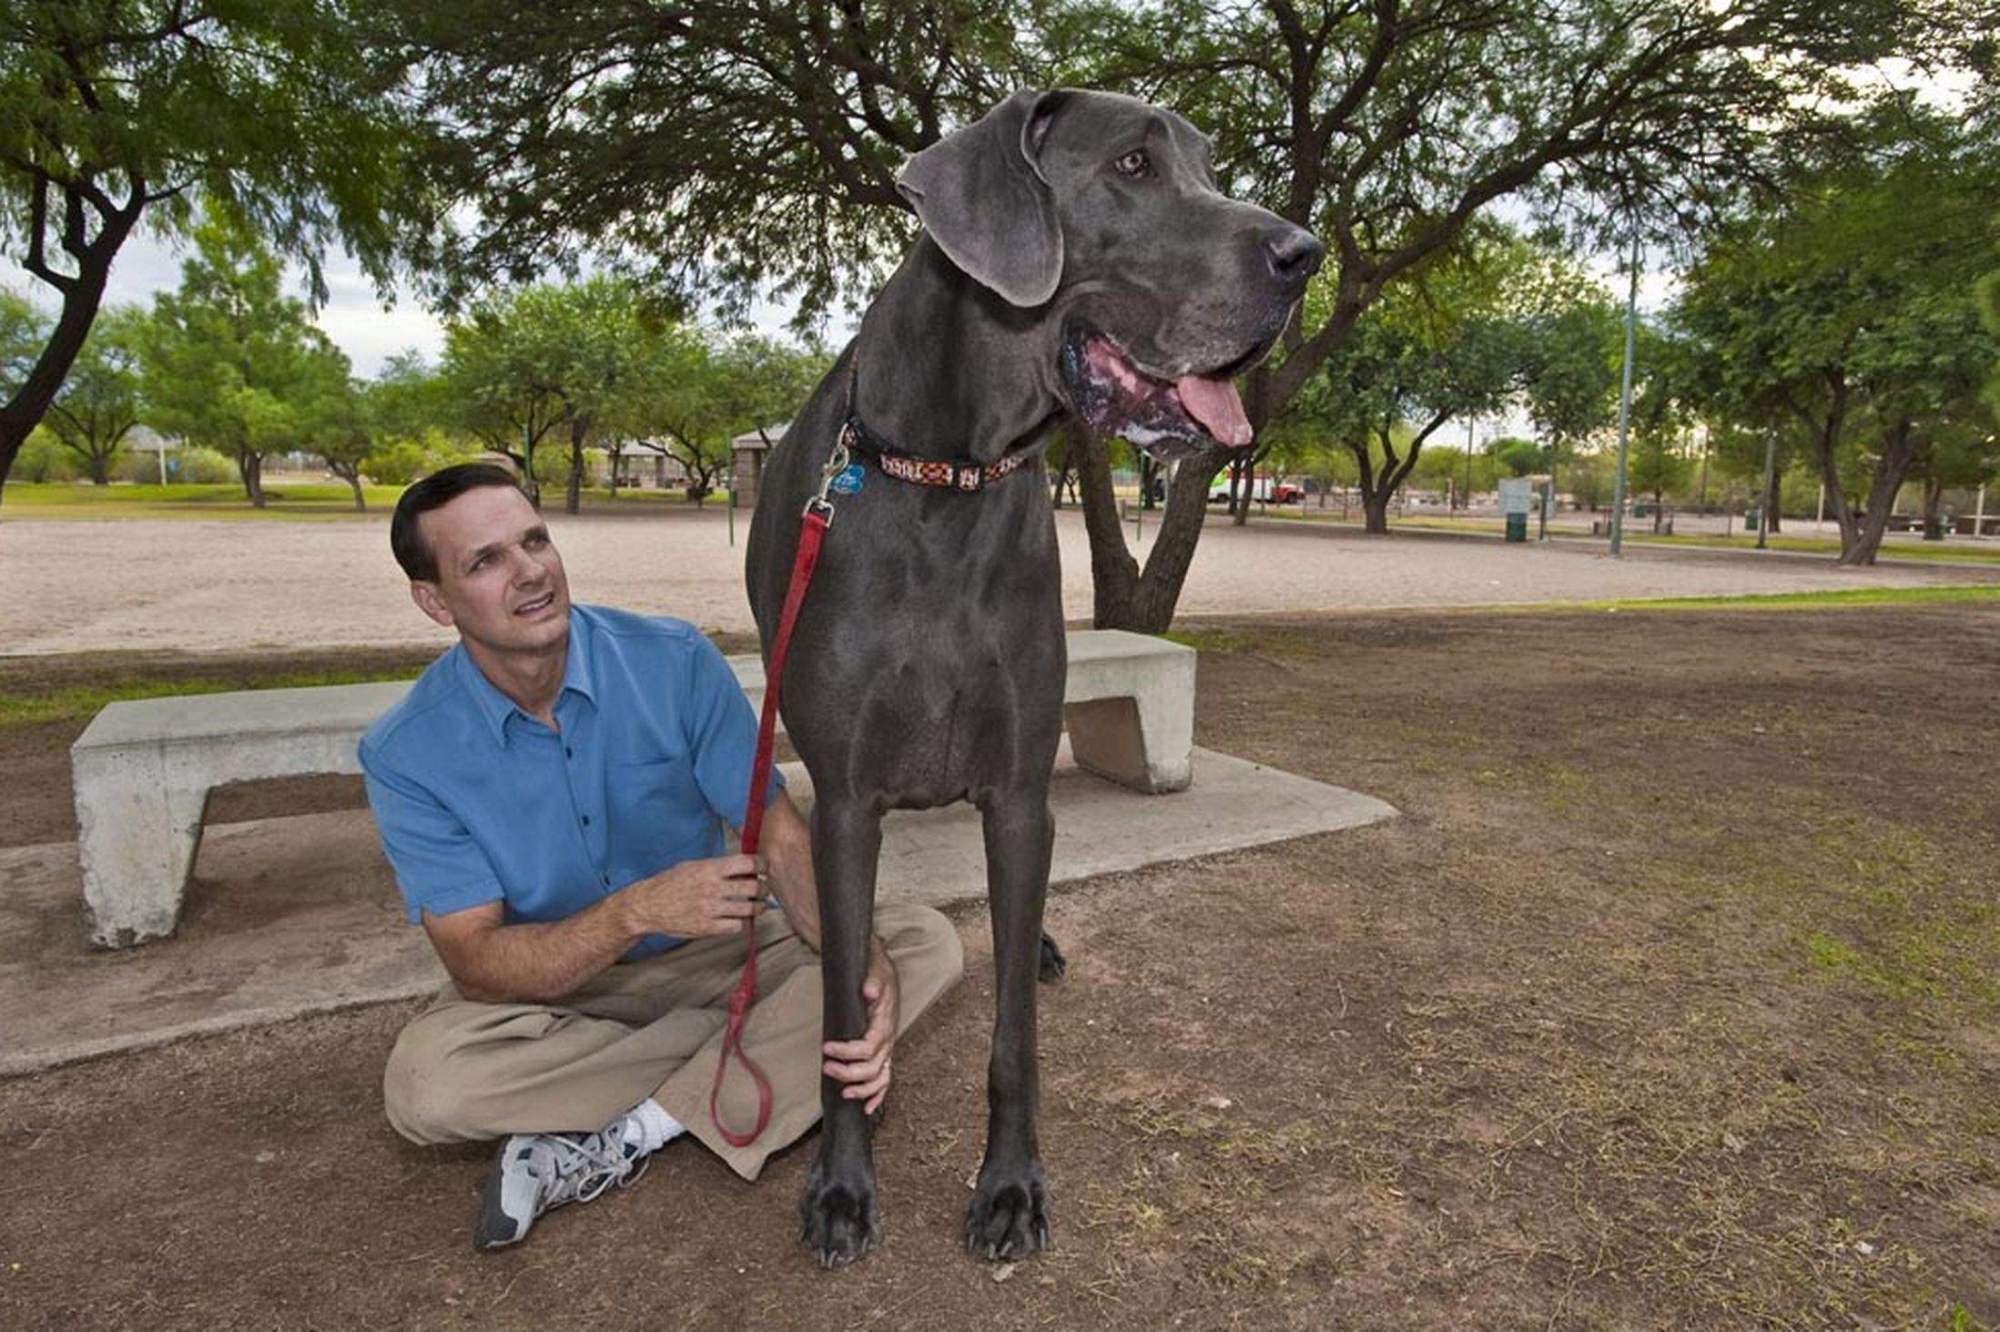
747	452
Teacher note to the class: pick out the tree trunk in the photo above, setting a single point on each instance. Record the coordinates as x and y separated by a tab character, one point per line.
578	429
82	294
1245	466
352	475
1771	498
250	466
1375	512
1826	441
1378	489
1114	574
1933	500
1124	596
1898	452
100	469
615	455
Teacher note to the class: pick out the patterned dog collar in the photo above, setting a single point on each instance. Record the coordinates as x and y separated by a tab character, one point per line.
961	476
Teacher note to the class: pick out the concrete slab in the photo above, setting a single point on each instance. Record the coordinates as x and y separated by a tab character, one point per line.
286	917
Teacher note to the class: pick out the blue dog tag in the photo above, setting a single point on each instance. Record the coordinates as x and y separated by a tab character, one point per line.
847	481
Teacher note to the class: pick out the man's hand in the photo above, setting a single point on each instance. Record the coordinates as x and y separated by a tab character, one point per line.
864	1064
697	897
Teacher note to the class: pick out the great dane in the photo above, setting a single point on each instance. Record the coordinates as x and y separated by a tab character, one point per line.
1076	256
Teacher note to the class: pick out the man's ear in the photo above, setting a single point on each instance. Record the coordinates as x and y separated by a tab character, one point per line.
982	198
425	594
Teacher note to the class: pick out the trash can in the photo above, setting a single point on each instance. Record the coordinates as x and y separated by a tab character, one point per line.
1517	527
1751	518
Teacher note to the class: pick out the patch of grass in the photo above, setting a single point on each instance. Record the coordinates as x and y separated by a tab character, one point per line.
80	701
1828	600
286	501
1929	551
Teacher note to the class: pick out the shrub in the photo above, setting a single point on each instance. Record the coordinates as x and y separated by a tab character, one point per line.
187	465
43	458
396	464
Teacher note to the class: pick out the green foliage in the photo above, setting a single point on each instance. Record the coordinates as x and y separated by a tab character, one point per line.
605	366
1575	337
44	459
1456	340
1517	457
1846	316
23	329
99	403
188	465
521	363
114	114
711	387
397	462
230	362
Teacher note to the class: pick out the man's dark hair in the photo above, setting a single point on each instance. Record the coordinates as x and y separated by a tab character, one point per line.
435	491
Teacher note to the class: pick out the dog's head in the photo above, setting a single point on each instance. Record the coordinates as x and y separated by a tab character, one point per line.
1103	212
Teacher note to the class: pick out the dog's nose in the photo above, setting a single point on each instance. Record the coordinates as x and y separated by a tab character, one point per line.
1294	254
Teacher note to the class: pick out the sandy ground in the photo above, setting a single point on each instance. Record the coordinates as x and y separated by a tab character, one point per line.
1669	1003
195	585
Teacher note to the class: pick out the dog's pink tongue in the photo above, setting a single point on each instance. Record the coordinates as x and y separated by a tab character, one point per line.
1215	403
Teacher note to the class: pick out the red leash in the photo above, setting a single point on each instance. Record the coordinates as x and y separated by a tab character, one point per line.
818	515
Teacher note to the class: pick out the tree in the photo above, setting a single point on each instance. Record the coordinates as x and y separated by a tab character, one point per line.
331	414
1515	456
275	114
100	404
22	332
1854	310
1575	342
1662	416
1455	341
502	370
574	355
726	147
228	359
409	412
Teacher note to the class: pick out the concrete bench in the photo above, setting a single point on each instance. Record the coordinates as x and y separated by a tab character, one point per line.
143	770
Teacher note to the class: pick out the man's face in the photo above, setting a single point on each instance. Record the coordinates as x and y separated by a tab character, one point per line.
499	582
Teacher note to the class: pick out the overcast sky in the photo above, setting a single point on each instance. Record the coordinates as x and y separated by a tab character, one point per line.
353	315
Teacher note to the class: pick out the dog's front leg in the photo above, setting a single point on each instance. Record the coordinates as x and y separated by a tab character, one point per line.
1009	1212
840	1218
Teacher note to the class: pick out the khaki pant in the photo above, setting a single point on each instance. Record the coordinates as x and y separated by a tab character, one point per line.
468	1071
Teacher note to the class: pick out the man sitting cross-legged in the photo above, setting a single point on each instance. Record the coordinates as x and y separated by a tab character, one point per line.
552	795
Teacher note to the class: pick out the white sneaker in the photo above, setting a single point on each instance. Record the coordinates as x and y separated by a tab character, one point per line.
537	1172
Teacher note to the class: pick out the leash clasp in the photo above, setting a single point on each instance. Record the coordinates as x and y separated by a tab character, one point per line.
836	463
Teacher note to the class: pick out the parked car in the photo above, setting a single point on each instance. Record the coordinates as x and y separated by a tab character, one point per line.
1262	488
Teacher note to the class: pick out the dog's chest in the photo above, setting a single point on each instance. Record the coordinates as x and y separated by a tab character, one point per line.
934	669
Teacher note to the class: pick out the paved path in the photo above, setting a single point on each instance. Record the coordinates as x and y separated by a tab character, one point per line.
79	586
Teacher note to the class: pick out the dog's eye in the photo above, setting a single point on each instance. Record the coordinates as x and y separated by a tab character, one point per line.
1135	164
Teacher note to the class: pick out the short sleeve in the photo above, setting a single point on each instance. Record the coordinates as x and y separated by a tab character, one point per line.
439	867
722	734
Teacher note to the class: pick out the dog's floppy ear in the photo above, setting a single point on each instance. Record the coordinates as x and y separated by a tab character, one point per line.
982	197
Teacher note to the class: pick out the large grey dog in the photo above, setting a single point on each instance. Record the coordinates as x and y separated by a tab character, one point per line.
1076	254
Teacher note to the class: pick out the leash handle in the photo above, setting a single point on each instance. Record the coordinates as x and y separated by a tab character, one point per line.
812	531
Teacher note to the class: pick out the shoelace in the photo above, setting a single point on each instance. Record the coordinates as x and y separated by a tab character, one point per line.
589	1165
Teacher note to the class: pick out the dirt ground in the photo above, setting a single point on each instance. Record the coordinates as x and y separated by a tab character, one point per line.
1673	1001
200	585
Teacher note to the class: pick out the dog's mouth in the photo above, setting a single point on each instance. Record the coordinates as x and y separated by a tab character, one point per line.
1167	416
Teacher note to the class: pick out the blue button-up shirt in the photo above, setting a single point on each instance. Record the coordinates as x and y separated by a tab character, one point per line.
478	802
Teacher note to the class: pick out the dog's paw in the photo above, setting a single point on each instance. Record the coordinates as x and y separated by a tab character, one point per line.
1009	1216
839	1220
1053	966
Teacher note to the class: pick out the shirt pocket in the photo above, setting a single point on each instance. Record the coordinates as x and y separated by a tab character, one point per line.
658	816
